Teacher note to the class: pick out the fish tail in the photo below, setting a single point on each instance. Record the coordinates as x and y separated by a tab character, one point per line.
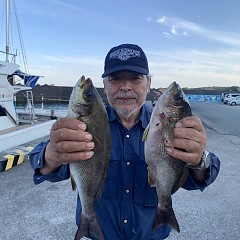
166	216
89	227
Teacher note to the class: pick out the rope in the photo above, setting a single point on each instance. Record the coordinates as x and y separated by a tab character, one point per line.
20	38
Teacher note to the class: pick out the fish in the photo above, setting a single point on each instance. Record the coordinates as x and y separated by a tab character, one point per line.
165	173
88	176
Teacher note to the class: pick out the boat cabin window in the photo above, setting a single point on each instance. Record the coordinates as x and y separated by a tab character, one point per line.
2	111
10	79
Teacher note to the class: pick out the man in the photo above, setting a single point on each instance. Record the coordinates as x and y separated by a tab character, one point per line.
128	204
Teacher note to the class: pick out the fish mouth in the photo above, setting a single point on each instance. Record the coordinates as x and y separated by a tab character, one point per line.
178	97
83	92
86	88
85	82
177	94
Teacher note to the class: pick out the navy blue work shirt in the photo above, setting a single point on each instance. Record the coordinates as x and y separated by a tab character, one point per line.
127	207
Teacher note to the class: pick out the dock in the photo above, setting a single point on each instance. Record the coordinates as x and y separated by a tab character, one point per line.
17	155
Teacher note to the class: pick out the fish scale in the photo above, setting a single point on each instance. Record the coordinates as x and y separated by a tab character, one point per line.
165	173
88	176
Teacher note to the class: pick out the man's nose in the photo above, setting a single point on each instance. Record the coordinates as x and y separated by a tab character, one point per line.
126	85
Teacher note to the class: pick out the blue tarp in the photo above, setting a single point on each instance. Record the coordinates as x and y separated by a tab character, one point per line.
203	98
29	80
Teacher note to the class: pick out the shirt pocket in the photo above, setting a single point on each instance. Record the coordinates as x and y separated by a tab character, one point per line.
144	193
113	180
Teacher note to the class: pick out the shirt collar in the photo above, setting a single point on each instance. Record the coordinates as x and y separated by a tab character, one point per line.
143	118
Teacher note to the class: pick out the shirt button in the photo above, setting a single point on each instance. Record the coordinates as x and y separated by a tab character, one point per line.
127	136
128	163
127	191
125	221
38	162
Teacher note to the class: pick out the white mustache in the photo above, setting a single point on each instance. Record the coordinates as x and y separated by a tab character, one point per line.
126	95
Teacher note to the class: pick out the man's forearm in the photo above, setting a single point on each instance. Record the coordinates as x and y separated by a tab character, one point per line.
48	166
199	175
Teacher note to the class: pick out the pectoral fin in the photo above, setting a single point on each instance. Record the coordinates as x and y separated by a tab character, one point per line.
151	179
73	183
96	140
145	133
181	180
167	132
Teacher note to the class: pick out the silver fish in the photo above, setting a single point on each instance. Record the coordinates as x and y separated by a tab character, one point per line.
166	173
88	176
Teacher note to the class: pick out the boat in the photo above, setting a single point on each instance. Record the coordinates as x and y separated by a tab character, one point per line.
18	127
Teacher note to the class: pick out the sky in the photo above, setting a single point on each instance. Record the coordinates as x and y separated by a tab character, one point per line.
193	42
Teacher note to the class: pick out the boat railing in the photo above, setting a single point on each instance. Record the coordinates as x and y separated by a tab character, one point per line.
14	55
32	118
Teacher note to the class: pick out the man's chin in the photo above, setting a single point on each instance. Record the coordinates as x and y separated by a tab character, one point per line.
125	112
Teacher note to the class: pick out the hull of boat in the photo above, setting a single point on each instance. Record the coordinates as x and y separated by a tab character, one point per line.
16	136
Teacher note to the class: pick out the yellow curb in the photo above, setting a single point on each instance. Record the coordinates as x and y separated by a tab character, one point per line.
11	160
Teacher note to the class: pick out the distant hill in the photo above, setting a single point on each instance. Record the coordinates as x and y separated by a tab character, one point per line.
211	90
59	93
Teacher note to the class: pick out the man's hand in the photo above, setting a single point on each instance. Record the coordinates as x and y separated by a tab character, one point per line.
69	142
189	140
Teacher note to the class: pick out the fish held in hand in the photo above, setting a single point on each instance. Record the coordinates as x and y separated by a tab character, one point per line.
165	173
88	176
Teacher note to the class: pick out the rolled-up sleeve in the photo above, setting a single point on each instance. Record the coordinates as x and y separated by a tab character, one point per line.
214	168
36	158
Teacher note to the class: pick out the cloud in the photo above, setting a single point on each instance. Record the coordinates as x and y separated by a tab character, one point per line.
168	35
92	60
194	68
66	70
161	20
190	68
174	30
183	27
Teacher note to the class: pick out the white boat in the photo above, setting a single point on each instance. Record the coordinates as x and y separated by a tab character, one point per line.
22	126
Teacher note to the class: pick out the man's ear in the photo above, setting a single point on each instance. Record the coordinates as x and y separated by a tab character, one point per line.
149	84
104	86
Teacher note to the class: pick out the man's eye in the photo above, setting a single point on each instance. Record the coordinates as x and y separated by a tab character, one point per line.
137	78
113	78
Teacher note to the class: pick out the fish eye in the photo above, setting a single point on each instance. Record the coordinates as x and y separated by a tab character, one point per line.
178	97
87	94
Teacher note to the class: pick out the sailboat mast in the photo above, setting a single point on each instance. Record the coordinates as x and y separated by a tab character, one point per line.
7	30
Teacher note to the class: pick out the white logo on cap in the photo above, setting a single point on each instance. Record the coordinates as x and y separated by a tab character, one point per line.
124	54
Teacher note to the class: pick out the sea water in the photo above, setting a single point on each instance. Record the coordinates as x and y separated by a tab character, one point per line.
46	106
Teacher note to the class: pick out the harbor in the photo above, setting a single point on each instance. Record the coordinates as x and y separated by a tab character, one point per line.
47	211
67	39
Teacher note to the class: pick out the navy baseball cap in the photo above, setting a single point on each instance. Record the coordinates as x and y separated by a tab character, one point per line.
126	57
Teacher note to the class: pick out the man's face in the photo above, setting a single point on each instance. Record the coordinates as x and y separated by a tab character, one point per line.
126	91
